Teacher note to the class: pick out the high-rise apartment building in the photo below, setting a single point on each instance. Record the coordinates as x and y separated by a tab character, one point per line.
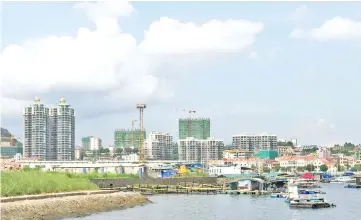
199	128
200	151
255	142
65	131
127	138
36	131
49	133
159	146
91	143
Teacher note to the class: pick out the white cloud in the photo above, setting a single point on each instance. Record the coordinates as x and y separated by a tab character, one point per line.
110	61
11	107
338	28
299	13
253	55
323	125
170	36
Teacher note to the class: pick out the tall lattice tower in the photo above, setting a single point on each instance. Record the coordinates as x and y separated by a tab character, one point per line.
141	108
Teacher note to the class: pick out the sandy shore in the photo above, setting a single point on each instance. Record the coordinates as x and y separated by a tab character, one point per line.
79	205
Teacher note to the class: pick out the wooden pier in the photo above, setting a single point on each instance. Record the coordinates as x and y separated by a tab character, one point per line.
186	188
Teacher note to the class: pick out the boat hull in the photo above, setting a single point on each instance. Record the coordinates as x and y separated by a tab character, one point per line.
311	205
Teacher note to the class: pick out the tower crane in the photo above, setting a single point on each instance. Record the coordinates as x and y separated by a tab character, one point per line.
141	108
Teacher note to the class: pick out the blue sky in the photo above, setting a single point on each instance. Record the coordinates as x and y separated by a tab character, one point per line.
303	88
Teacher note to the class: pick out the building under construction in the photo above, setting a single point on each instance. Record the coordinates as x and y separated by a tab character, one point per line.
199	128
127	138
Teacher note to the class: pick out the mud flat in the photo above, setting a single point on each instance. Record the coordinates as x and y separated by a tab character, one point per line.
56	206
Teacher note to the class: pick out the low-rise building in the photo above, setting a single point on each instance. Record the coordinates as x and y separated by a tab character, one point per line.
285	150
237	153
130	158
91	143
294	162
253	162
324	152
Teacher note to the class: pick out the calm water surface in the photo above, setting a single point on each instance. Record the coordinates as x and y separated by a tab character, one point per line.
225	207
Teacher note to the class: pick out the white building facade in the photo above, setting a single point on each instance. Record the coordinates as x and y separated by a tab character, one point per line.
158	146
255	142
49	133
194	150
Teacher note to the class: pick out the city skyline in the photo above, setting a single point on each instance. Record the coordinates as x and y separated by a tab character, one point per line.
286	72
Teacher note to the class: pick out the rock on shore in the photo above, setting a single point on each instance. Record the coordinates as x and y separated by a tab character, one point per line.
70	206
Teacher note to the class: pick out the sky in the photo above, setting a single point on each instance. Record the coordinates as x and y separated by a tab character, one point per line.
289	68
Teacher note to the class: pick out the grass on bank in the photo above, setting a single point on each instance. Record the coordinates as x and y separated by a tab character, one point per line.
29	182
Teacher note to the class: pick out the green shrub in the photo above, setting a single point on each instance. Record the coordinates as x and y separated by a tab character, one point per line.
15	183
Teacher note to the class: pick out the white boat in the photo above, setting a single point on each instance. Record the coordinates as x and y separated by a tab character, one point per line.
296	200
344	179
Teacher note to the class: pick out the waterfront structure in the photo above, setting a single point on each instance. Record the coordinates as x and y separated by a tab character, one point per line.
254	142
193	150
128	138
158	146
236	153
198	128
49	133
91	143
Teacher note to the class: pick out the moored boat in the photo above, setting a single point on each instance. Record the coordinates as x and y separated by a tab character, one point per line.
310	203
309	192
278	195
344	179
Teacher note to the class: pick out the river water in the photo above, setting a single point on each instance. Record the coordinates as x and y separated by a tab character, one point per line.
225	207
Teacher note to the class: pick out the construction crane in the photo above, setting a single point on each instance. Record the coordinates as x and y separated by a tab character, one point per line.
141	108
133	132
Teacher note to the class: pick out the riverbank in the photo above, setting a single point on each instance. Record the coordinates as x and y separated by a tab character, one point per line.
30	182
55	207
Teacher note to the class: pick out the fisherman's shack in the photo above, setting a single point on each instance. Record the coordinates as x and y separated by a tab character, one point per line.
248	184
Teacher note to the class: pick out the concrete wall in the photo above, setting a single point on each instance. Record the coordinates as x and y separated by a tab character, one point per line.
106	183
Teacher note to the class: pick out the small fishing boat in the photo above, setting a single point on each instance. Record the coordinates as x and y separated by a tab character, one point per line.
309	192
310	203
344	179
353	186
278	195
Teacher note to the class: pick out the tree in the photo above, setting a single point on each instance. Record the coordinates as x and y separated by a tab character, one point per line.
266	170
357	167
324	168
277	168
300	169
127	150
310	167
118	150
309	151
285	144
